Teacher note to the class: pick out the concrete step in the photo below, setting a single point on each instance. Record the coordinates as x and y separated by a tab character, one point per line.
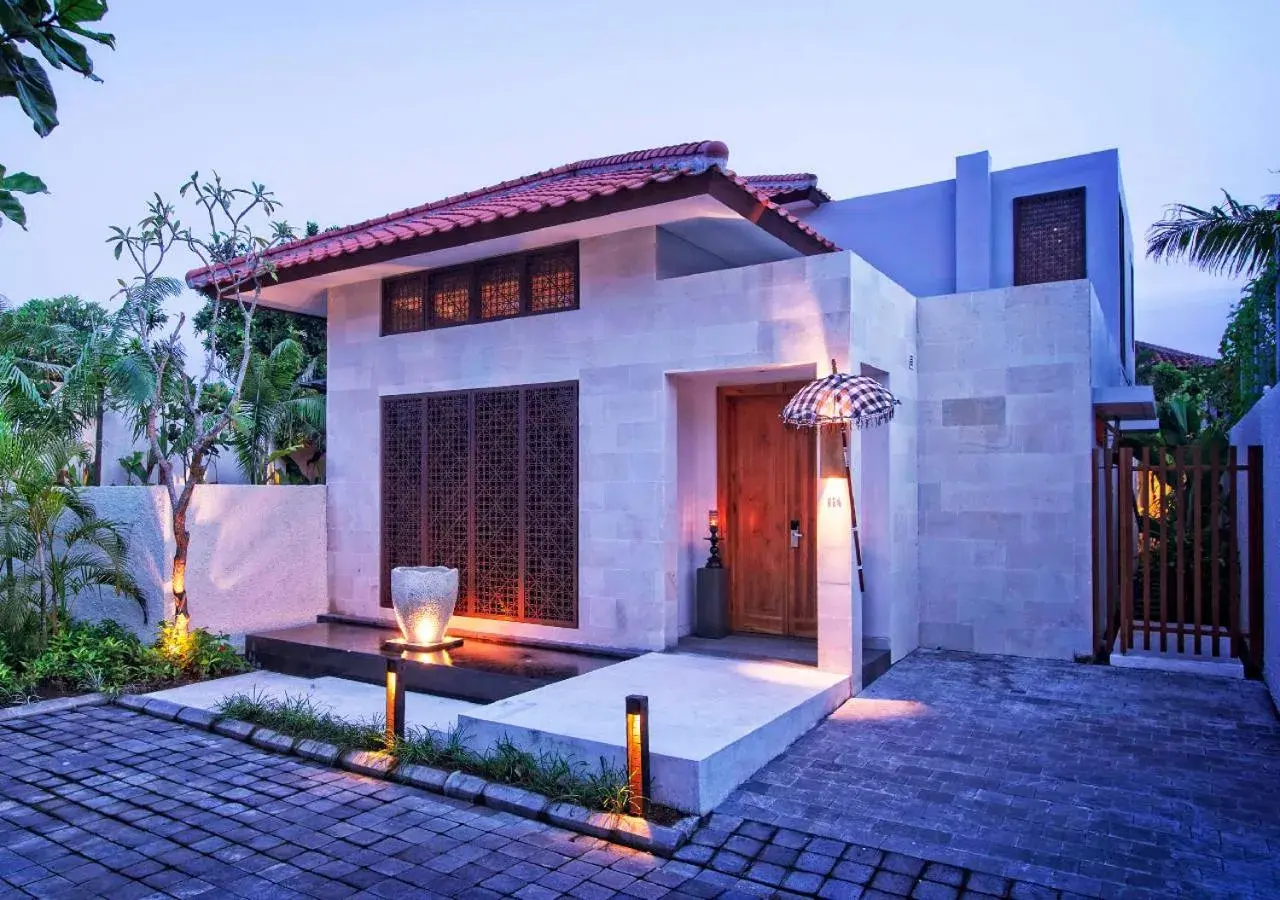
713	722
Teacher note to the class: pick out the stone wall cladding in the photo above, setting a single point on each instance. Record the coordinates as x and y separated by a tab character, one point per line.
631	330
1006	431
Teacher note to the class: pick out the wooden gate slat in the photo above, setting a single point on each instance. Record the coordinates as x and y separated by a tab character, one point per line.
1253	664
1215	550
1125	540
1233	555
1180	555
1145	548
1108	502
1197	542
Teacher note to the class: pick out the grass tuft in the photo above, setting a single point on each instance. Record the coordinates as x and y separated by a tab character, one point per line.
553	775
300	716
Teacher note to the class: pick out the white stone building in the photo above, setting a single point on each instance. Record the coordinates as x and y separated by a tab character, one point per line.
550	382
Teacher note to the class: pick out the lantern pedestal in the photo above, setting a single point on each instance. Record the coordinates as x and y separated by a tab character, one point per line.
711	603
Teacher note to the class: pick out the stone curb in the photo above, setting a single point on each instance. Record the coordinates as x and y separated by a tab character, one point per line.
58	704
631	831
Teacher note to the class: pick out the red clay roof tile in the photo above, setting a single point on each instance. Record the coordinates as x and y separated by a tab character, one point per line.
1178	358
553	188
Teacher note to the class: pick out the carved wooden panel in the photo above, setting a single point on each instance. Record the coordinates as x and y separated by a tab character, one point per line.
550	504
495	501
1048	235
499	283
487	482
553	280
401	487
403	305
451	297
447	480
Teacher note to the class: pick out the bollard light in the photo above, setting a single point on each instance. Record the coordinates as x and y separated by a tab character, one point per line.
638	754
395	700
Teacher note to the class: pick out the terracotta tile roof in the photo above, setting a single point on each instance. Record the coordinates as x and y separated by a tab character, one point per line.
554	188
1178	358
798	183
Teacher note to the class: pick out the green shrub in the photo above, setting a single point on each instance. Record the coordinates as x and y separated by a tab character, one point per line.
107	657
199	653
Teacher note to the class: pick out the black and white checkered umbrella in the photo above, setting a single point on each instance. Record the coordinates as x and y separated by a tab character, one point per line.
848	401
841	399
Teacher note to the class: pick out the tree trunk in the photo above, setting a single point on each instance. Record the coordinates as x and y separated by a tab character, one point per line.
182	540
95	475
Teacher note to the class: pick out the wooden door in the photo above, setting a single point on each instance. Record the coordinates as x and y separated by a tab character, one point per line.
767	483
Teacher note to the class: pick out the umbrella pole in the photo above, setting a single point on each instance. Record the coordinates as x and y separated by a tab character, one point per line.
853	507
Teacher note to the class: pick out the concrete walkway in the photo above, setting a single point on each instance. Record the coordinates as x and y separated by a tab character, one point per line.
1091	779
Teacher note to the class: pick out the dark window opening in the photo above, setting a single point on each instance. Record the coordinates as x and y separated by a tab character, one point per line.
486	482
1048	237
517	285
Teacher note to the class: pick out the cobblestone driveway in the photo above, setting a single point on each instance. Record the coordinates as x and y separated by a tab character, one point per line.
103	802
1105	781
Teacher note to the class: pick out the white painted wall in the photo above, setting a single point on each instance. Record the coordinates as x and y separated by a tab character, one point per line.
1261	425
257	556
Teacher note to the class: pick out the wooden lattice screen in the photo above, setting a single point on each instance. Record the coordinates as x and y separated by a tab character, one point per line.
1048	237
494	479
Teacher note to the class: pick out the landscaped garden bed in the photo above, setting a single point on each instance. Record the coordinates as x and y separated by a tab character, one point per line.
84	658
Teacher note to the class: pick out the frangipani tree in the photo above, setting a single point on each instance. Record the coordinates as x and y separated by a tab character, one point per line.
183	416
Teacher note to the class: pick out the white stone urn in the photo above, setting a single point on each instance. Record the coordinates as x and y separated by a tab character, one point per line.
424	597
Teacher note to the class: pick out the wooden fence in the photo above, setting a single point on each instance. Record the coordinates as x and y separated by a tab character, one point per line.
1173	527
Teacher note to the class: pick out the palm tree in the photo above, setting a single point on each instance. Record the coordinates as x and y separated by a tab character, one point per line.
53	545
278	413
1232	239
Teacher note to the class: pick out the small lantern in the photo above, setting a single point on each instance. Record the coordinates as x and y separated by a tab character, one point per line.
713	526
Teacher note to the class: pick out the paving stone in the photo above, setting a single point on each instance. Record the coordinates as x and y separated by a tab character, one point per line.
319	751
135	702
933	890
729	862
426	777
853	872
164	709
512	799
892	883
835	889
698	854
367	762
817	863
201	718
465	787
233	728
944	874
577	818
802	882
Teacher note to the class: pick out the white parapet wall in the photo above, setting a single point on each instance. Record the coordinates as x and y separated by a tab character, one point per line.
1261	426
256	559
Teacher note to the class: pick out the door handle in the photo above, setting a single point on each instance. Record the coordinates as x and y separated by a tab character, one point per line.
795	533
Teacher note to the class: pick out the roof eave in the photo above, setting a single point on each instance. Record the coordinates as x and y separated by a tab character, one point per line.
713	182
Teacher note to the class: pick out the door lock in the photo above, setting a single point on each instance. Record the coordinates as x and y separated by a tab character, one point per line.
795	533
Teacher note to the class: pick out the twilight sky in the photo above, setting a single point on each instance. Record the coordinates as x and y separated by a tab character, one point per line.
348	112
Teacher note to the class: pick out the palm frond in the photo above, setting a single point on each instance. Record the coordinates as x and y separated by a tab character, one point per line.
1233	238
